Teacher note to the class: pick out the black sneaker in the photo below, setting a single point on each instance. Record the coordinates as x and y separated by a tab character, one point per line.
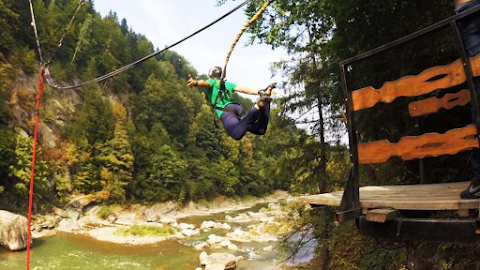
473	190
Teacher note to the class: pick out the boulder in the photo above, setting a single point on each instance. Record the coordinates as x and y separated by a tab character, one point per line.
190	232
60	212
207	225
150	215
48	224
219	261
168	220
127	219
268	248
201	246
80	201
186	226
112	217
13	231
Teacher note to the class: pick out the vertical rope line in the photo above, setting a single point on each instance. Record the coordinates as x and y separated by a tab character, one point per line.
32	172
34	25
239	35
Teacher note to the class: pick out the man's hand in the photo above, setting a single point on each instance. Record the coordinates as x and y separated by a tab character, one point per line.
191	82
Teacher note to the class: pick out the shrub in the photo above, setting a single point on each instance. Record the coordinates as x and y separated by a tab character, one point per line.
144	230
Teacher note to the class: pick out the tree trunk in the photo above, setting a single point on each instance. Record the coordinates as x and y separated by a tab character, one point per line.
324	254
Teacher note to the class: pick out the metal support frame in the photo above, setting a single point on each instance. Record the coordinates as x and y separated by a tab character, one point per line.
422	229
469	74
350	205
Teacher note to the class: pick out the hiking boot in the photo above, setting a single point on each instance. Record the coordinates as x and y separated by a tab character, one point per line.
473	190
264	96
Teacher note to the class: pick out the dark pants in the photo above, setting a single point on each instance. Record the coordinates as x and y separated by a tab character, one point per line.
254	121
470	30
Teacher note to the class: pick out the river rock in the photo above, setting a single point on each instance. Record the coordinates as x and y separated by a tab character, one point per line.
13	231
219	261
201	246
242	218
127	219
186	226
190	232
150	215
80	201
48	224
214	239
223	226
268	248
112	217
60	212
207	225
168	220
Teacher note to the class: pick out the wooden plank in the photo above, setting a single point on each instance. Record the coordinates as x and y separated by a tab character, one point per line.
431	79
381	215
404	197
430	144
463	212
433	104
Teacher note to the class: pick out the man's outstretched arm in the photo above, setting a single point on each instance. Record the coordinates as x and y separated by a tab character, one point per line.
192	82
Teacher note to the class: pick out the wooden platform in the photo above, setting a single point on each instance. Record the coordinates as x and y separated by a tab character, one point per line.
406	197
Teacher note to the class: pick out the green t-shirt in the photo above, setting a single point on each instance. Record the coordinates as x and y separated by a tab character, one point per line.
213	92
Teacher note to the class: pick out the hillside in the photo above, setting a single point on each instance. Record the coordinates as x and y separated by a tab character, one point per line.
138	136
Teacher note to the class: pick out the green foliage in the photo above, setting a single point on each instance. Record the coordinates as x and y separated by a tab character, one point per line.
105	211
116	161
21	169
144	230
141	135
63	189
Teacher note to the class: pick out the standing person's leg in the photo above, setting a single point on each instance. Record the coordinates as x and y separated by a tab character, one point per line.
470	30
236	127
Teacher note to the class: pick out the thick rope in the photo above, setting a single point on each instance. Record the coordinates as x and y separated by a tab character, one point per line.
131	65
34	25
32	172
239	35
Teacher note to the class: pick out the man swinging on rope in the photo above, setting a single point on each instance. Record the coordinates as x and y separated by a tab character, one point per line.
230	112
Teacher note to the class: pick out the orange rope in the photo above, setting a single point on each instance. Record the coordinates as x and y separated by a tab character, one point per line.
32	175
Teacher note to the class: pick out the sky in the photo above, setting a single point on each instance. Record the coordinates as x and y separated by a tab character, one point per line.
165	22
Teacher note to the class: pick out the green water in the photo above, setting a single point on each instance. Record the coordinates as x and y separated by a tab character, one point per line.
66	251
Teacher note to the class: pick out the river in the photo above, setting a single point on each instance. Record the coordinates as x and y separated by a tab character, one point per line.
66	251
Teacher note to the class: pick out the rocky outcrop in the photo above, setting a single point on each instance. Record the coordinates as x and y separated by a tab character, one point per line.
80	201
219	261
13	231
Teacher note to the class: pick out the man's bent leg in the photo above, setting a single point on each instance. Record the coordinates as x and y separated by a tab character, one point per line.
237	128
260	127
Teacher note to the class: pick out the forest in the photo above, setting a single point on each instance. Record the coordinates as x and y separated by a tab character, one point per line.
143	136
140	136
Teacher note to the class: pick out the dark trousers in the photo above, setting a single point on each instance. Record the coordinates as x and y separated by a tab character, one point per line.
254	121
470	29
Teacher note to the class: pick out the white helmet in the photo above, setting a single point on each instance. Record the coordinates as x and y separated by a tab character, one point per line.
215	72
